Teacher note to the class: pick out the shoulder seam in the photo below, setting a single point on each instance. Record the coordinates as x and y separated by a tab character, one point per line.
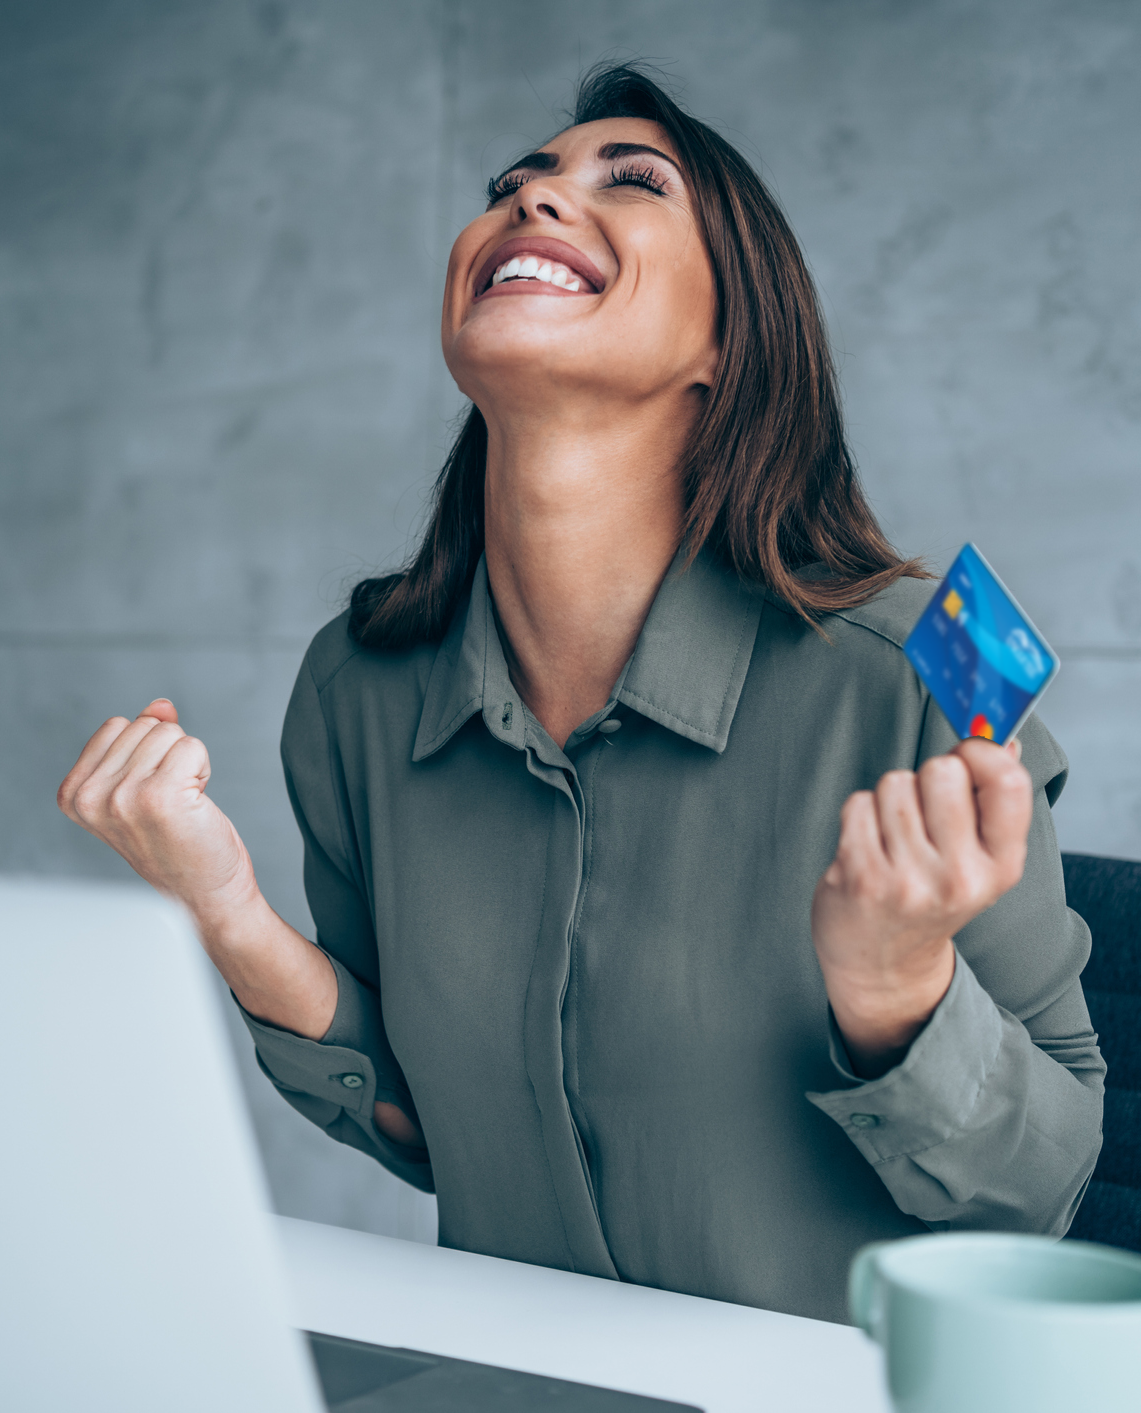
348	652
328	677
843	613
868	627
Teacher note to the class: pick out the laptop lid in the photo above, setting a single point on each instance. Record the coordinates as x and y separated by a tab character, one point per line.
138	1269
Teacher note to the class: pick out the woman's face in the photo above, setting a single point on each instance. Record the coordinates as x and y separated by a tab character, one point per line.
586	274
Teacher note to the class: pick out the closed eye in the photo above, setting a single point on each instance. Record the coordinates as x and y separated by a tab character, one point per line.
634	175
499	187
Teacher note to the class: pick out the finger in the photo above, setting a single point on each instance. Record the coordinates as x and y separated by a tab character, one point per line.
89	758
860	852
162	709
1015	748
186	762
1005	800
145	759
946	791
901	817
120	750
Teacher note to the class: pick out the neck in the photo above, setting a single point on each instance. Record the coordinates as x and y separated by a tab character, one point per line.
583	517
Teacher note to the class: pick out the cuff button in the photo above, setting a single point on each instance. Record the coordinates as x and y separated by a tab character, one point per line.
856	1120
352	1081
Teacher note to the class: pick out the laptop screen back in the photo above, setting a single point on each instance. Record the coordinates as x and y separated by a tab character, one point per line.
139	1269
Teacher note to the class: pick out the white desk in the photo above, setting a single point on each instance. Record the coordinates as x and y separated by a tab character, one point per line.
724	1358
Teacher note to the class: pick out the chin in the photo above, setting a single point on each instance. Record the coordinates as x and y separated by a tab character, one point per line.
482	353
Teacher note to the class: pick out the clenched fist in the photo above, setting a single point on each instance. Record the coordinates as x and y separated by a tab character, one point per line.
140	786
918	858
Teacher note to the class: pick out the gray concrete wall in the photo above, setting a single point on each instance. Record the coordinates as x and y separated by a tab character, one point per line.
223	231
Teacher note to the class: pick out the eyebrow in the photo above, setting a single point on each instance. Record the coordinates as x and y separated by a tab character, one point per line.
613	150
608	152
533	162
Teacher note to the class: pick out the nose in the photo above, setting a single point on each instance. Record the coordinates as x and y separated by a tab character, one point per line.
541	199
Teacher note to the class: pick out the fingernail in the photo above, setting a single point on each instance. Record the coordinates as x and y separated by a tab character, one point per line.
1015	748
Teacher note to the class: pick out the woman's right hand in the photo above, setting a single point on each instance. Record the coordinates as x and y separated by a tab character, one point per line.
140	786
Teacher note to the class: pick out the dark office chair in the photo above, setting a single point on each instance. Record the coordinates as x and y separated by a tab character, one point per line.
1107	893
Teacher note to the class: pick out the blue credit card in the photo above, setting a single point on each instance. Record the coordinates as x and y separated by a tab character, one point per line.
978	654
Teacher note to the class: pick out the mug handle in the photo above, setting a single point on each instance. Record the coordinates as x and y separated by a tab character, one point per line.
863	1289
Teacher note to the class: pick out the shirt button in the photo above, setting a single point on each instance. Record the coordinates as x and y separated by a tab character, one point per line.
352	1081
862	1120
609	726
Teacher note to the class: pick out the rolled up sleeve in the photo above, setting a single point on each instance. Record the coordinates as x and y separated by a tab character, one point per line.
335	1081
992	1121
976	1127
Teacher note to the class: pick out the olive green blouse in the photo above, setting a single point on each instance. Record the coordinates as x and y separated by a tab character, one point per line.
588	973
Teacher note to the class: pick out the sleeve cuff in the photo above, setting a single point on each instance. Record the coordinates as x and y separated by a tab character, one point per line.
352	1065
930	1095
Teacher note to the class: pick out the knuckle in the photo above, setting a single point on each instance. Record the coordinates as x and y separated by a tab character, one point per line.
894	782
912	897
854	805
944	770
87	800
869	886
958	889
120	800
149	799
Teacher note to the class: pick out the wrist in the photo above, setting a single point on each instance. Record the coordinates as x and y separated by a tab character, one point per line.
232	919
277	975
879	1015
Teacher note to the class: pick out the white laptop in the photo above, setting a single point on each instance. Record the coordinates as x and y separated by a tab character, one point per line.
138	1269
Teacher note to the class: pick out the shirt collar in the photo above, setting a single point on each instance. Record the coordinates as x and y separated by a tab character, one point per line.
686	672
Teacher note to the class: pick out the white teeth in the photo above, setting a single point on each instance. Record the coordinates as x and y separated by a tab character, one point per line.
529	268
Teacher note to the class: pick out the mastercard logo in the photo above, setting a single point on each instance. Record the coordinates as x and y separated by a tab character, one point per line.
980	726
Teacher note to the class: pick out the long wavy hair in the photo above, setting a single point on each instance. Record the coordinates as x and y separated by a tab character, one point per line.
770	485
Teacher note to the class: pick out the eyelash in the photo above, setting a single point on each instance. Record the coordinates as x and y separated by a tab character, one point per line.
630	175
644	177
499	187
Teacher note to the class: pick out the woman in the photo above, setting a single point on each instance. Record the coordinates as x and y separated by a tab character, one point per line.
664	928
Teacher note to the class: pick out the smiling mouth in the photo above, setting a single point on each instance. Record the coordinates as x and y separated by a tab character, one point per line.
538	265
546	272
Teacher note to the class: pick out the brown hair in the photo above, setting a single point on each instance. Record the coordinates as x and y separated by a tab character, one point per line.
770	483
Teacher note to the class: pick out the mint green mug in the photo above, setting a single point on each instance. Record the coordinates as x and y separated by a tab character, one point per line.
979	1322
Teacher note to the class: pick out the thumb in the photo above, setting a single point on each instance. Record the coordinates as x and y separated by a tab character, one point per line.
162	709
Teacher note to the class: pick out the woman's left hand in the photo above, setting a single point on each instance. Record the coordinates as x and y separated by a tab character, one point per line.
918	858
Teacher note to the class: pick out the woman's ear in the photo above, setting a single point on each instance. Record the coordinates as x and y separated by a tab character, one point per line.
707	372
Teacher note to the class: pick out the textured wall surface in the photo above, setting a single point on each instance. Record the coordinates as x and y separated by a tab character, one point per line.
223	232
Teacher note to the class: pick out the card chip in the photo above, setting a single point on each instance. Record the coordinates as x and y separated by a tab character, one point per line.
952	604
